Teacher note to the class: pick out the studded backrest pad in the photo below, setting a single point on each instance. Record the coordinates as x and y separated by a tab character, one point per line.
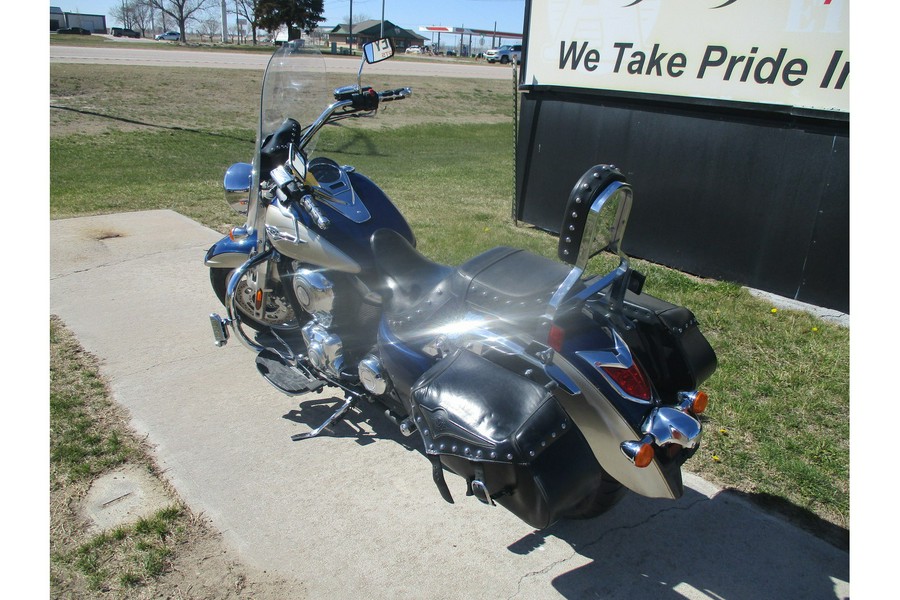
586	190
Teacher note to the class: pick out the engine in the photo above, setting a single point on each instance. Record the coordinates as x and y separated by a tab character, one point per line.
315	293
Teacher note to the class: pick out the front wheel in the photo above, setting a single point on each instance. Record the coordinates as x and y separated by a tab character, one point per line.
278	315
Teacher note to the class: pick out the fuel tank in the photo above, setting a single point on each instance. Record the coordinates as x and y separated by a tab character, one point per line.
360	209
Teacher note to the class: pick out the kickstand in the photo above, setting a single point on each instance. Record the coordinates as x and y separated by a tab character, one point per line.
349	401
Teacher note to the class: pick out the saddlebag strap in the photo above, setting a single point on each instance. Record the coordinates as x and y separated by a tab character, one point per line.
437	473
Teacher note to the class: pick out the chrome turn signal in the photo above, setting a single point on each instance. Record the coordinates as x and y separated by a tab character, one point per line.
238	233
694	402
640	453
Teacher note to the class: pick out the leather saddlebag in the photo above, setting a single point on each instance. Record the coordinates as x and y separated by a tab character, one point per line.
506	435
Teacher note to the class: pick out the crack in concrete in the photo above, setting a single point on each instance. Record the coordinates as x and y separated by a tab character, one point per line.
125	261
604	534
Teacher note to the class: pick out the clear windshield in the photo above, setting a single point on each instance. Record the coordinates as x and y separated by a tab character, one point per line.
295	86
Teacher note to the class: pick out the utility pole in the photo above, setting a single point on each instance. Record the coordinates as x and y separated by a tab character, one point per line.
382	20
224	23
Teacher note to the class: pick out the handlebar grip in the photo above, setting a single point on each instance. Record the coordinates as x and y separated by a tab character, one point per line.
321	221
397	94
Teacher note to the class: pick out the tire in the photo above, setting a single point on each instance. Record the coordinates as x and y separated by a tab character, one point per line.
603	498
504	60
283	314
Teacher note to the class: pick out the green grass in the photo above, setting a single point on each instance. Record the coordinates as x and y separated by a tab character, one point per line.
778	423
87	438
128	556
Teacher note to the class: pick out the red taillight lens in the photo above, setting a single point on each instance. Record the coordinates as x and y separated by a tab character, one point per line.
556	338
631	380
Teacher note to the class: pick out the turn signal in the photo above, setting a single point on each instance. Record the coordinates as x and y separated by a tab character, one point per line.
237	233
640	453
701	401
694	402
259	296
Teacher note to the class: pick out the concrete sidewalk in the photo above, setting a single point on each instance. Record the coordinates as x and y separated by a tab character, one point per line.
355	513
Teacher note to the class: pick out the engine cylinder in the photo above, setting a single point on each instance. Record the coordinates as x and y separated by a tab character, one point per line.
315	294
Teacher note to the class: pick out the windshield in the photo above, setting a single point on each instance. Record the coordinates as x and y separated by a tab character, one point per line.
295	86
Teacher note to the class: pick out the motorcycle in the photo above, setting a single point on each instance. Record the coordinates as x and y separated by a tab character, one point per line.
550	392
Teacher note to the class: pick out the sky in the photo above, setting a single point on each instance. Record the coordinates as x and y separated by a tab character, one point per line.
509	15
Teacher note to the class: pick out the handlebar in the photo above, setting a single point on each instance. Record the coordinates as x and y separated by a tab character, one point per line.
397	94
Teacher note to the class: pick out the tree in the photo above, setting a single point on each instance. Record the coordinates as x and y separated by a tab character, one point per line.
180	10
133	14
246	9
297	15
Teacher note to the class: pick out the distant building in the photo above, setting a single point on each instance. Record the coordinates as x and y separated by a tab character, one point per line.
61	20
367	31
57	18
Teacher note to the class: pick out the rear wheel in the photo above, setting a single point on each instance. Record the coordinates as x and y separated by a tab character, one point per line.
278	315
603	498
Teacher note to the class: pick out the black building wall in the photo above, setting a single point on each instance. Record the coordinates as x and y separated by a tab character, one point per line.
745	195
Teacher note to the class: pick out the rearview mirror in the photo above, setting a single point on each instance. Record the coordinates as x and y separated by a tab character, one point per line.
378	50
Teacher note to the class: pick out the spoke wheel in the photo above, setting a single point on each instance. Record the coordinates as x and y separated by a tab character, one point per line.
278	313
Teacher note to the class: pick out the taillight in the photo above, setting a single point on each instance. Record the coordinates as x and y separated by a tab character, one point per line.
556	338
631	380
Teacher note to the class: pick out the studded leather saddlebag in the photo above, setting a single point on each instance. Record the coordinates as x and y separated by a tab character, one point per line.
506	435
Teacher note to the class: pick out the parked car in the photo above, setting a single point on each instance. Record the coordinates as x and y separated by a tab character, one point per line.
74	30
124	32
414	50
172	36
504	54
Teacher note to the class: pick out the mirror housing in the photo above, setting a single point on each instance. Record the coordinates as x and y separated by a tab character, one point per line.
237	183
378	51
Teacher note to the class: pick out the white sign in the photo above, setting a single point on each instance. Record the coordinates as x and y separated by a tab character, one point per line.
782	52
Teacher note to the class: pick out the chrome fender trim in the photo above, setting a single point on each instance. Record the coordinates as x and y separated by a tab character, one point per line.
605	430
227	260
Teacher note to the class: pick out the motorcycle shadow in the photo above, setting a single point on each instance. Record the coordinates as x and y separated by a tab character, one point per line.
697	547
363	424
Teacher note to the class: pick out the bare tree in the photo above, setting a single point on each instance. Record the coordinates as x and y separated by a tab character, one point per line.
133	14
181	11
209	25
246	9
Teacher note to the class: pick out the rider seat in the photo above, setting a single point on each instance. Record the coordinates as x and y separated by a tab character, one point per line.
510	283
416	286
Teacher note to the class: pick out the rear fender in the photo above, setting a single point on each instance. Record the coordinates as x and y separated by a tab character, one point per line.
604	428
230	254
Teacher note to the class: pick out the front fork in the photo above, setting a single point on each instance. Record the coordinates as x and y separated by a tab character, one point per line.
257	285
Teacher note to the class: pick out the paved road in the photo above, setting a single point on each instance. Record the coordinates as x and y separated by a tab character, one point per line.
355	513
426	67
